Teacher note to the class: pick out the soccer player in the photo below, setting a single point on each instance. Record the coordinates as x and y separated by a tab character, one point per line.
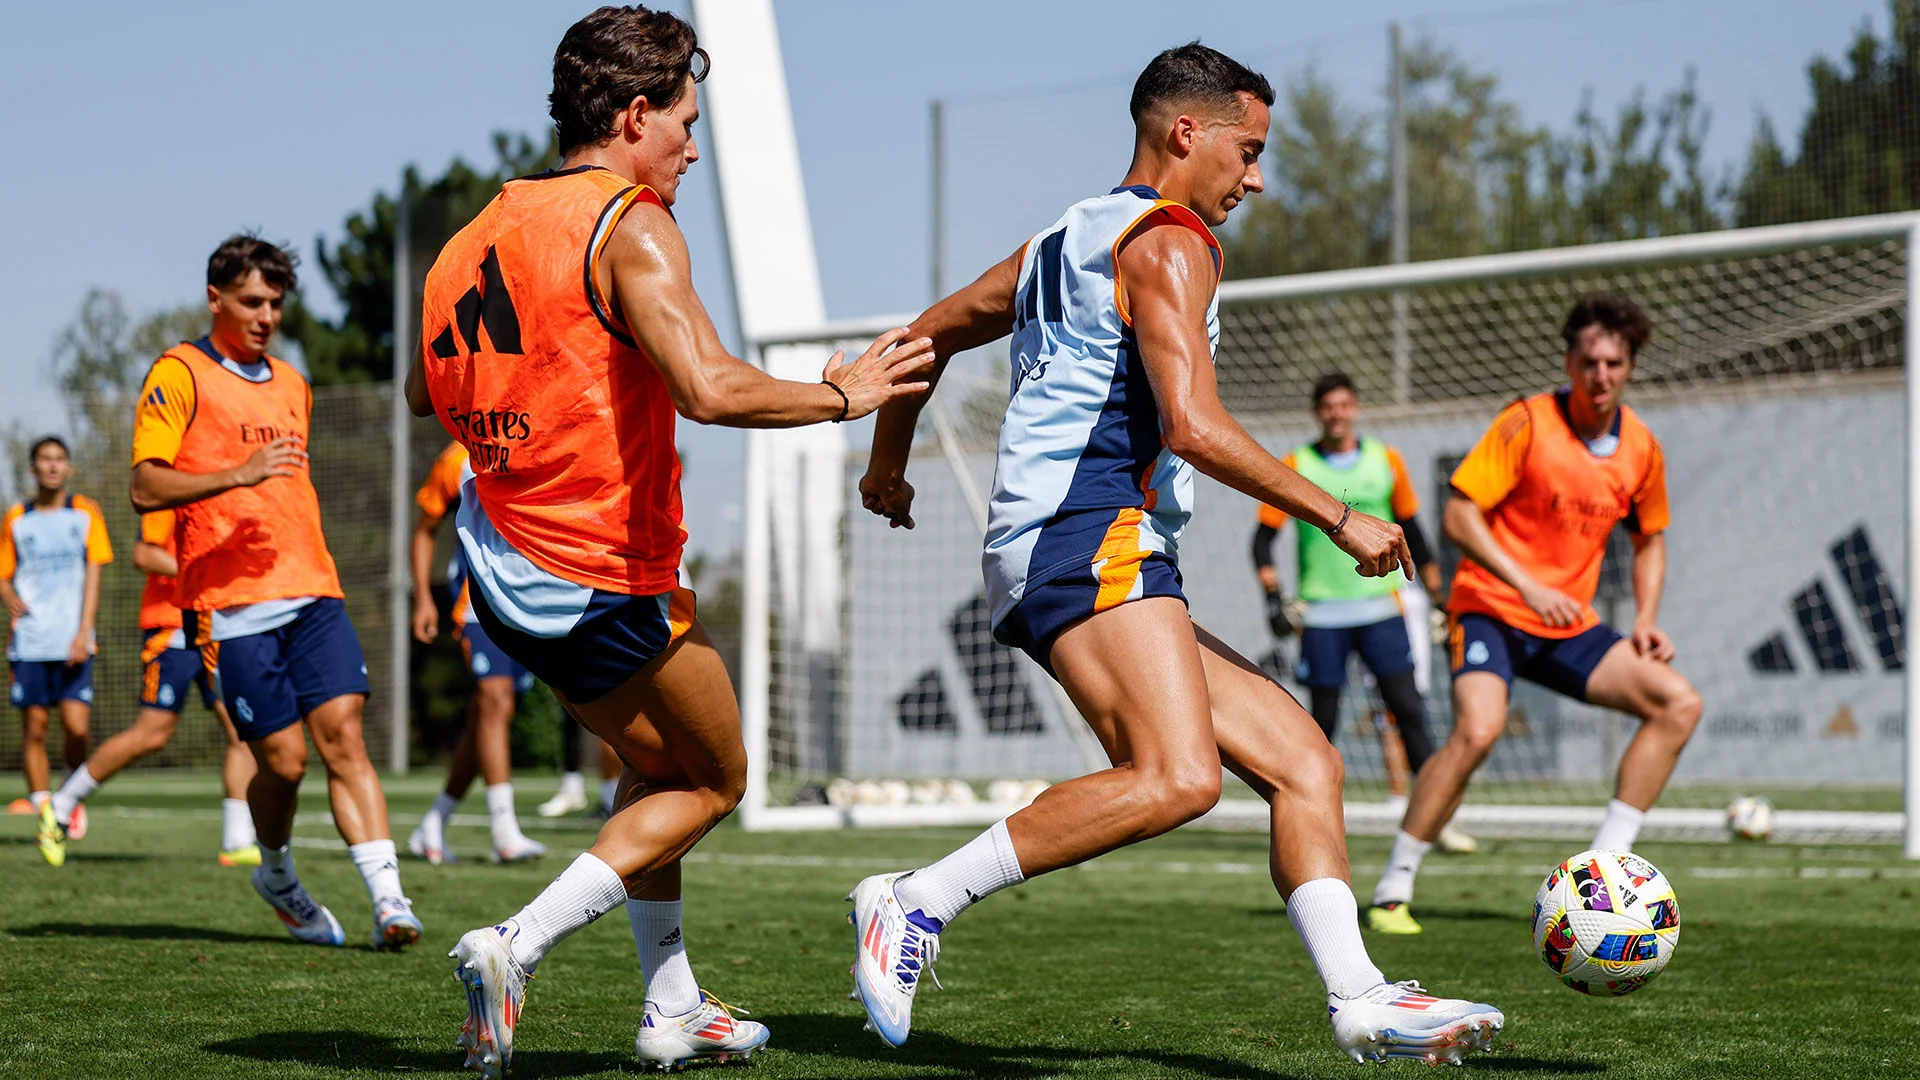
170	670
1113	312
561	335
220	437
51	549
499	682
1533	505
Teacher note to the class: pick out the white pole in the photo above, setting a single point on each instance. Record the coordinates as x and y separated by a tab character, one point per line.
936	196
1397	138
756	655
399	575
1910	359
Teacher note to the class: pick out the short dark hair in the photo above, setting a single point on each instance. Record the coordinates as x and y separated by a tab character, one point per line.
1614	314
242	253
609	58
1331	381
45	441
1195	74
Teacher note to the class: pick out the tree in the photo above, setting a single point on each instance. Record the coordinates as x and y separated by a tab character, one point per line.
1859	150
358	346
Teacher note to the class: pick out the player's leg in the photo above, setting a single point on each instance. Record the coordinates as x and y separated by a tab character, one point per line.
76	718
429	838
494	701
279	748
1483	668
1266	739
1323	671
165	677
572	796
238	845
33	754
1134	673
609	778
1388	652
1668	708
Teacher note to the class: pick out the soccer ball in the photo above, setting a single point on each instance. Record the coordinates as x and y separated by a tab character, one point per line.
1750	817
1606	922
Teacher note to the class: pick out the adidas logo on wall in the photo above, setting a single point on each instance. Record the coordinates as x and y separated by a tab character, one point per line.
1820	628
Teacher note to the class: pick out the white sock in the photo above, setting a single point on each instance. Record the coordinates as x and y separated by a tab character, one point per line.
278	863
983	867
1325	915
663	955
1396	881
1618	830
608	789
582	893
80	784
573	783
506	826
38	799
379	867
236	824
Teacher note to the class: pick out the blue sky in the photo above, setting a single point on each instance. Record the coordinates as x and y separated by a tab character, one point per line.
137	135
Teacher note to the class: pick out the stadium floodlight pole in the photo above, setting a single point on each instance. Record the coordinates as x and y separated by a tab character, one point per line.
1911	357
399	537
1397	147
936	195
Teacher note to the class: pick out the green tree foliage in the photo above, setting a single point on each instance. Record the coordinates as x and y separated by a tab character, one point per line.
358	345
1482	179
1859	151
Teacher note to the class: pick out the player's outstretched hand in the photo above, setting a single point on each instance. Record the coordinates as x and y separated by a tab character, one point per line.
1554	607
1379	547
890	497
426	622
1653	643
884	372
284	456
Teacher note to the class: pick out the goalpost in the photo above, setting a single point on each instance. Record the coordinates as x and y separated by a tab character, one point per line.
1775	381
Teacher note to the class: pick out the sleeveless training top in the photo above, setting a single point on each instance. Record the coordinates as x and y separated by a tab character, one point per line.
1551	501
1082	475
569	426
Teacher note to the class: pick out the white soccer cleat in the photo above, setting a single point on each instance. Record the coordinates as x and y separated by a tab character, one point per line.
305	918
496	988
892	953
519	850
395	926
1454	842
564	802
1399	1020
431	848
709	1030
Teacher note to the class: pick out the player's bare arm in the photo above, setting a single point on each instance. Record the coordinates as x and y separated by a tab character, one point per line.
16	607
1168	277
652	285
1649	578
153	559
82	648
158	486
977	315
426	615
1466	526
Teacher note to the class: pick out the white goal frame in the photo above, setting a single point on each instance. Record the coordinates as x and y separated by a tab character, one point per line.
755	675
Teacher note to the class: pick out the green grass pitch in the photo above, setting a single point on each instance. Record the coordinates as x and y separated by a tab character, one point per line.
143	958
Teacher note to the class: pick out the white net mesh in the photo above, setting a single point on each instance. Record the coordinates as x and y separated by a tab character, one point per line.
1774	383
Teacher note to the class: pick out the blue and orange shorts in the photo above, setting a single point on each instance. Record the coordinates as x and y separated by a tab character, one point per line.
487	660
1046	609
613	638
168	674
1483	643
273	679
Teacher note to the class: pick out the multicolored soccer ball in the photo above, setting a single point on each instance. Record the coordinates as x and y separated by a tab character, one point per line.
1750	817
1606	922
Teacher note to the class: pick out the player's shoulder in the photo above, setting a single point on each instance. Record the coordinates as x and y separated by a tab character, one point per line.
1635	432
86	505
1515	418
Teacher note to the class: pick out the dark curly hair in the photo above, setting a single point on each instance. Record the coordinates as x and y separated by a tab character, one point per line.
242	253
609	58
1614	314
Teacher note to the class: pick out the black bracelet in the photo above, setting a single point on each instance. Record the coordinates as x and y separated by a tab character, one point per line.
846	406
1345	513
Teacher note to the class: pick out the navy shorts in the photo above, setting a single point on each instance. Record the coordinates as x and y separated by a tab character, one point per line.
45	683
614	638
1563	665
167	676
1383	647
485	660
272	680
1048	608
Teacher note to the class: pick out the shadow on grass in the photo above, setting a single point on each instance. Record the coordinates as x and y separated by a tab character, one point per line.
819	1035
356	1050
150	932
1546	1066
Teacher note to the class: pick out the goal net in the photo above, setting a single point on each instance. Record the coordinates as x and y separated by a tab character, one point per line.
1774	382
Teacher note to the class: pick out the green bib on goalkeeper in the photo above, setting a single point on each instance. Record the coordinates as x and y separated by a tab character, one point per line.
1326	572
